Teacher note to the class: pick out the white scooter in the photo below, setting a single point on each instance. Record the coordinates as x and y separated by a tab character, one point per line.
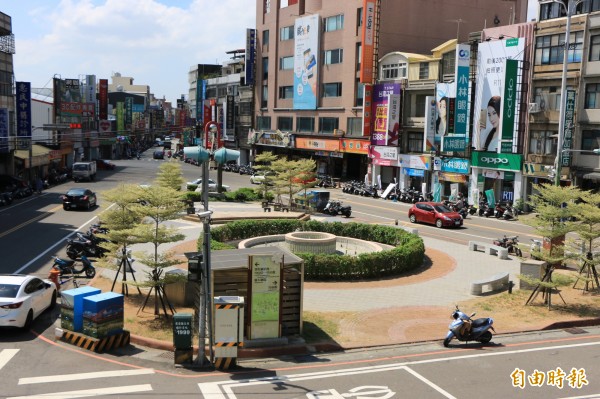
479	330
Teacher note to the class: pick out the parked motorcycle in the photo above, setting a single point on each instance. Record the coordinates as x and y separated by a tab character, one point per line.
479	328
485	210
510	243
84	245
335	208
510	212
67	266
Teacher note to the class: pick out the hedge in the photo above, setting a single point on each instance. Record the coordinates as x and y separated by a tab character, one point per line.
407	255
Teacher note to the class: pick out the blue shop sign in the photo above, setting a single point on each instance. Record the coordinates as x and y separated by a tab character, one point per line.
414	172
455	165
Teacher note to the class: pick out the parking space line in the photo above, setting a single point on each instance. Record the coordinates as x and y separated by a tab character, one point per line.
6	355
83	376
89	392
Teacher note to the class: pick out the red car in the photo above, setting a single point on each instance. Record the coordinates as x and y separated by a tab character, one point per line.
104	164
434	213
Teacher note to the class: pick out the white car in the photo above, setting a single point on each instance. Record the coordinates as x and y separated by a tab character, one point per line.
23	298
259	178
212	185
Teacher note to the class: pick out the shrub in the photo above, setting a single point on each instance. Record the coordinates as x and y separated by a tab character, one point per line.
407	255
192	187
192	196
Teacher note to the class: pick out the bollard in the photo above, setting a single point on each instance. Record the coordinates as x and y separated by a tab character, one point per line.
510	286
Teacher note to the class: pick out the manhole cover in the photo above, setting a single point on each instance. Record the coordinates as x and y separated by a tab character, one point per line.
575	330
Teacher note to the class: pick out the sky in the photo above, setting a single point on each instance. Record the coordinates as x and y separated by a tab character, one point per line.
155	42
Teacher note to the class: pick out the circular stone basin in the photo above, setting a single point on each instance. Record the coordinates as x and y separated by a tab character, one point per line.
311	242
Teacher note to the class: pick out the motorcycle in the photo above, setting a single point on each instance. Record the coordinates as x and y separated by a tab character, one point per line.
67	266
479	330
535	247
84	245
510	243
335	208
510	213
499	210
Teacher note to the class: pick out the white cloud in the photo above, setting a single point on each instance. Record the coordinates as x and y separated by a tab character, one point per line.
155	42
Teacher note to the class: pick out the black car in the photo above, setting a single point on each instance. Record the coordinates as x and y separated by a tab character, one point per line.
158	154
79	198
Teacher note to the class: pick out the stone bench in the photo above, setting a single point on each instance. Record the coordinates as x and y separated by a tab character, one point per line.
280	207
495	283
490	249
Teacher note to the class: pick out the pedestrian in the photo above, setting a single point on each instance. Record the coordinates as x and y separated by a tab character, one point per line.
39	185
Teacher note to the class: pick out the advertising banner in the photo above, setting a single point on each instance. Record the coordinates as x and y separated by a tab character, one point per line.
393	119
569	126
69	98
456	138
90	89
430	119
265	299
128	111
354	146
367	120
367	48
23	113
306	61
443	93
507	123
120	117
493	160
103	99
385	156
491	75
379	111
229	131
249	57
416	161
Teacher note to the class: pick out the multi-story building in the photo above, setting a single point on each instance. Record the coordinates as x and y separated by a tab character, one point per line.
582	127
309	93
7	98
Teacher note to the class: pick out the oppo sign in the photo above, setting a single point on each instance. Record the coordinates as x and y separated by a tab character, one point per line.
500	161
495	160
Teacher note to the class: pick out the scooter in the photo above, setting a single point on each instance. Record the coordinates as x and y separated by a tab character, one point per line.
510	243
335	208
509	213
67	266
479	328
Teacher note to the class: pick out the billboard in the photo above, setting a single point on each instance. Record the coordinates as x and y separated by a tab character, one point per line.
444	92
103	99
23	112
456	137
491	76
306	61
249	57
430	120
368	47
380	110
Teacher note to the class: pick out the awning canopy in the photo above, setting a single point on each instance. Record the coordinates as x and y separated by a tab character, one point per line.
592	176
39	155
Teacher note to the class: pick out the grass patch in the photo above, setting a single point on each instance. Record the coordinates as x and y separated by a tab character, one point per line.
318	327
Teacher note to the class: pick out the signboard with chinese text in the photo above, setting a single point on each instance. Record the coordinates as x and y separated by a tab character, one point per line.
367	118
379	111
265	296
103	99
455	165
306	62
430	117
368	43
249	57
23	111
569	127
458	112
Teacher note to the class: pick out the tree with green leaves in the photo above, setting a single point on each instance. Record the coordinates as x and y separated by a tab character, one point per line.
263	163
588	229
304	172
170	175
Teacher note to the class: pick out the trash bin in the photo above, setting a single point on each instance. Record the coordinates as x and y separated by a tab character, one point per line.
176	292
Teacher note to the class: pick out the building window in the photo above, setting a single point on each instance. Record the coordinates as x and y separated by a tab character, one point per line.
332	89
211	92
595	48
423	70
264	99
222	91
394	71
590	140
286	63
333	56
263	123
334	23
359	17
548	97
354	127
286	33
265	68
592	96
265	38
267	6
358	56
305	124
419	111
284	123
360	93
448	64
542	143
328	125
549	49
415	142
286	92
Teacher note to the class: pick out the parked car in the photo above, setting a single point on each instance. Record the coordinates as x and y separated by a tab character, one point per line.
23	298
212	185
434	213
258	178
105	164
158	154
79	198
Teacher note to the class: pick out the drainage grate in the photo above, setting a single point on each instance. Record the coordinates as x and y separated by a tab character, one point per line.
167	355
575	330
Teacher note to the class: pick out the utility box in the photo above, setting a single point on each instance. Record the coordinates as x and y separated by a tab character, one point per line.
195	264
182	337
228	330
71	309
531	268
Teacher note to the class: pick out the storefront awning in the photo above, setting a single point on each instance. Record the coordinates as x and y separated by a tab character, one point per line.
39	155
592	176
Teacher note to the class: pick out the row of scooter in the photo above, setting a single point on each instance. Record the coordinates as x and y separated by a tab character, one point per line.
360	188
502	210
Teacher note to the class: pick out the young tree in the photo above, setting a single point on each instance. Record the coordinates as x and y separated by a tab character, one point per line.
304	172
588	228
170	175
263	165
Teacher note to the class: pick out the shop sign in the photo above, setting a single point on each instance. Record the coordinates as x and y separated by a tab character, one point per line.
455	165
537	170
54	154
414	172
416	161
493	160
454	143
317	144
453	177
274	139
565	156
354	146
382	152
437	163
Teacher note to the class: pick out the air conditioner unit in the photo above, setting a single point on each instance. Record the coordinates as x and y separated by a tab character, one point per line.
533	108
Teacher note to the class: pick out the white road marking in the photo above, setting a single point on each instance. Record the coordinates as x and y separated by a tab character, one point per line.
431	384
224	389
6	355
83	376
85	393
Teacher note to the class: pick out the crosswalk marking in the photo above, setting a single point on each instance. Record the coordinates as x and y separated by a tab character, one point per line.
84	376
6	355
89	392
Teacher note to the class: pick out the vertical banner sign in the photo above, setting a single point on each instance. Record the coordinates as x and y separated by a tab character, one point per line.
430	117
488	95
450	113
367	119
120	118
443	93
568	131
128	111
229	131
90	89
508	109
393	119
249	57
265	299
379	111
4	129
103	99
368	46
306	62
23	112
457	138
